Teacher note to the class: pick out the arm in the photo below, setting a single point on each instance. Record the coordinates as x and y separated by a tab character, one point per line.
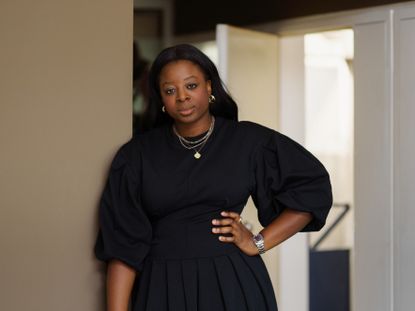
284	226
120	280
281	228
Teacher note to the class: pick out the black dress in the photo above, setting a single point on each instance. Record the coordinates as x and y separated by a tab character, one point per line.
159	201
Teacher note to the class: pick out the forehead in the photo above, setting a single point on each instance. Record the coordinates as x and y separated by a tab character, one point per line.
180	69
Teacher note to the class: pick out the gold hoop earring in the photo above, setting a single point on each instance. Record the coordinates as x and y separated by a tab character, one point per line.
163	109
211	99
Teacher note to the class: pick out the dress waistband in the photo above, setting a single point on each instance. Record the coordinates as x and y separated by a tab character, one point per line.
187	238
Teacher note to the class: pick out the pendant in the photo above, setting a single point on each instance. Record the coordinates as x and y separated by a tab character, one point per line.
197	155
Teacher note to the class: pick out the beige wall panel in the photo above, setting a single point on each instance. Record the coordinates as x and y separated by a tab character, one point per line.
65	106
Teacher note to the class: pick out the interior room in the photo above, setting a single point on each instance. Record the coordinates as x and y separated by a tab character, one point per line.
337	77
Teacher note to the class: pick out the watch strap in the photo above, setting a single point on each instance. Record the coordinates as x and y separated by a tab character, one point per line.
259	242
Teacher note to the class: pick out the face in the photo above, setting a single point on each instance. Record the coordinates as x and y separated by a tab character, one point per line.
185	93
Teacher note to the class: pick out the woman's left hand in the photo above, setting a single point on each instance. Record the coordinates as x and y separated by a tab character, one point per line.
240	235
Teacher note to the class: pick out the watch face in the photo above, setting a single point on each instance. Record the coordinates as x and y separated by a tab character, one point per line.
257	238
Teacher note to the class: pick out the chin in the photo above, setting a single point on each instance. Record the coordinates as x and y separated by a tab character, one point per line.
187	119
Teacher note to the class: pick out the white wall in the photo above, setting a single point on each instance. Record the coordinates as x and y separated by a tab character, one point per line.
373	159
404	159
385	151
293	262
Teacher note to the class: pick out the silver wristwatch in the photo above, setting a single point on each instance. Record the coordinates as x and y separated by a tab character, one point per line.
259	242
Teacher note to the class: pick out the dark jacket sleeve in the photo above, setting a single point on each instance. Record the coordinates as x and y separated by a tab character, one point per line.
124	228
288	176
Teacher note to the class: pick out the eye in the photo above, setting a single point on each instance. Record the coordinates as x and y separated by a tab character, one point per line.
192	86
169	91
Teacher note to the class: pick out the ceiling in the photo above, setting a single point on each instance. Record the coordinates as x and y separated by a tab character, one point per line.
196	16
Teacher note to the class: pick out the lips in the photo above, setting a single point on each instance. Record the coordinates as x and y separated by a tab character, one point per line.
186	111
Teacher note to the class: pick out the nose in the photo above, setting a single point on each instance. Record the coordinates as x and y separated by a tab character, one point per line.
182	95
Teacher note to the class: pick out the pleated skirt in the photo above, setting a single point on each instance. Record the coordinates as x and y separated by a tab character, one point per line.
229	282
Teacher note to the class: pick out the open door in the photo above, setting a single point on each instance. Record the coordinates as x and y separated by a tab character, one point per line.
248	66
247	63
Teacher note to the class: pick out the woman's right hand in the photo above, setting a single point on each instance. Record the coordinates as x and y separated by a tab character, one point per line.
240	235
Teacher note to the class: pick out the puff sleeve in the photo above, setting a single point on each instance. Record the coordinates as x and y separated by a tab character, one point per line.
289	176
124	227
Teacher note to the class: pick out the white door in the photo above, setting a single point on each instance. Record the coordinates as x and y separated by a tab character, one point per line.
248	65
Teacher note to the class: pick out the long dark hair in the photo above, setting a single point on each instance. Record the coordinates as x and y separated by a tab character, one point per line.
224	106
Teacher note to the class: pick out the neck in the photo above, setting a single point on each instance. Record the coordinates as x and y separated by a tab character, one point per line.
191	130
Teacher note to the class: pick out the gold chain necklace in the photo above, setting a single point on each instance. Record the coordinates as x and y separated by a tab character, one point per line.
198	144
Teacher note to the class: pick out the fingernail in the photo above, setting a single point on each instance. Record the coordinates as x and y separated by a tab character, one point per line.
213	229
214	221
223	213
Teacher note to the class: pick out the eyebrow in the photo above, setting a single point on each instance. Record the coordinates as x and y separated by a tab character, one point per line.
188	78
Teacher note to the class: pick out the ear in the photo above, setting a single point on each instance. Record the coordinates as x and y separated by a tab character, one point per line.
209	87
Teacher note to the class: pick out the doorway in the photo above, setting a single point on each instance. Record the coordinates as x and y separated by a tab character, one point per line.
329	102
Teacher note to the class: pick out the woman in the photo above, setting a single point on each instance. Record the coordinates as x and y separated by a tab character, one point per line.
170	228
